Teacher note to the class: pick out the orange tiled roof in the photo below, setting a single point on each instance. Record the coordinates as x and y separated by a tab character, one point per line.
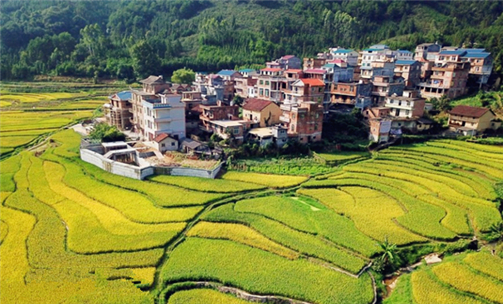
313	82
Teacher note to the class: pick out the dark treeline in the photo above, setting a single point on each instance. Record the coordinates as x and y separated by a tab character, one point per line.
131	39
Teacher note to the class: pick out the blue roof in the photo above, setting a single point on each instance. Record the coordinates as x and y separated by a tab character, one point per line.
476	55
452	52
405	51
226	72
474	50
124	95
247	71
405	62
343	51
329	65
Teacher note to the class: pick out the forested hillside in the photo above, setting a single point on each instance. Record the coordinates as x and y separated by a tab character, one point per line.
129	39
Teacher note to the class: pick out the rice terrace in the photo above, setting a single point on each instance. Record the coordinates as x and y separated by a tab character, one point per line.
73	233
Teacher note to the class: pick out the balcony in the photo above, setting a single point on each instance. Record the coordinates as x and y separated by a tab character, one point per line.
284	118
163	119
433	85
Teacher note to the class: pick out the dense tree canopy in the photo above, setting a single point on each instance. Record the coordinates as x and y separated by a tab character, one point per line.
127	39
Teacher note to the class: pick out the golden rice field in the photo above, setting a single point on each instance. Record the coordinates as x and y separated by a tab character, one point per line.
473	278
72	233
26	118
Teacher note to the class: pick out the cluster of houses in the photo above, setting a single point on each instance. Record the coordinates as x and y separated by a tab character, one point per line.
289	98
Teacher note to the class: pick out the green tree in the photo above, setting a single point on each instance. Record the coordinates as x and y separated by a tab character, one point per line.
106	133
145	60
237	100
388	259
496	232
185	76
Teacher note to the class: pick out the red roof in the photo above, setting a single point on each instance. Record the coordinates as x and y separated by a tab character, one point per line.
256	104
286	57
294	70
161	137
469	111
272	70
336	61
313	82
315	71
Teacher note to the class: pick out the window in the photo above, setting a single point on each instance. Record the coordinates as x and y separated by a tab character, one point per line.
236	130
261	82
267	82
172	143
292	127
261	91
267	92
162	145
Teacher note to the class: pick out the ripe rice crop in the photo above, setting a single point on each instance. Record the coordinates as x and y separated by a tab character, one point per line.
307	215
488	171
205	184
474	146
486	263
269	180
39	185
14	264
419	217
131	204
38	97
495	156
304	243
200	295
462	278
157	192
427	290
456	218
402	293
480	185
262	272
429	180
365	208
240	234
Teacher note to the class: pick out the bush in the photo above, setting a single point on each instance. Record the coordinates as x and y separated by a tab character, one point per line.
106	133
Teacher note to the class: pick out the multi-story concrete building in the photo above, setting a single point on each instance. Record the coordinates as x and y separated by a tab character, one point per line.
219	111
270	83
448	79
426	52
481	64
405	107
245	86
404	55
119	111
166	115
305	89
229	74
410	70
313	63
385	86
349	92
303	121
152	86
346	55
286	62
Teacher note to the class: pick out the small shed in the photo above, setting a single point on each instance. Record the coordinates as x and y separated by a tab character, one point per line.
189	145
163	142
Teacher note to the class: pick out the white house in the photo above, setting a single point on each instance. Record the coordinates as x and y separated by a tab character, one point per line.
164	116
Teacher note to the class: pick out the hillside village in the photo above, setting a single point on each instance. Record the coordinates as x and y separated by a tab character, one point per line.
290	98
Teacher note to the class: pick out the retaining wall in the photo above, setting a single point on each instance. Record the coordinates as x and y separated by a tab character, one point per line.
142	172
114	166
